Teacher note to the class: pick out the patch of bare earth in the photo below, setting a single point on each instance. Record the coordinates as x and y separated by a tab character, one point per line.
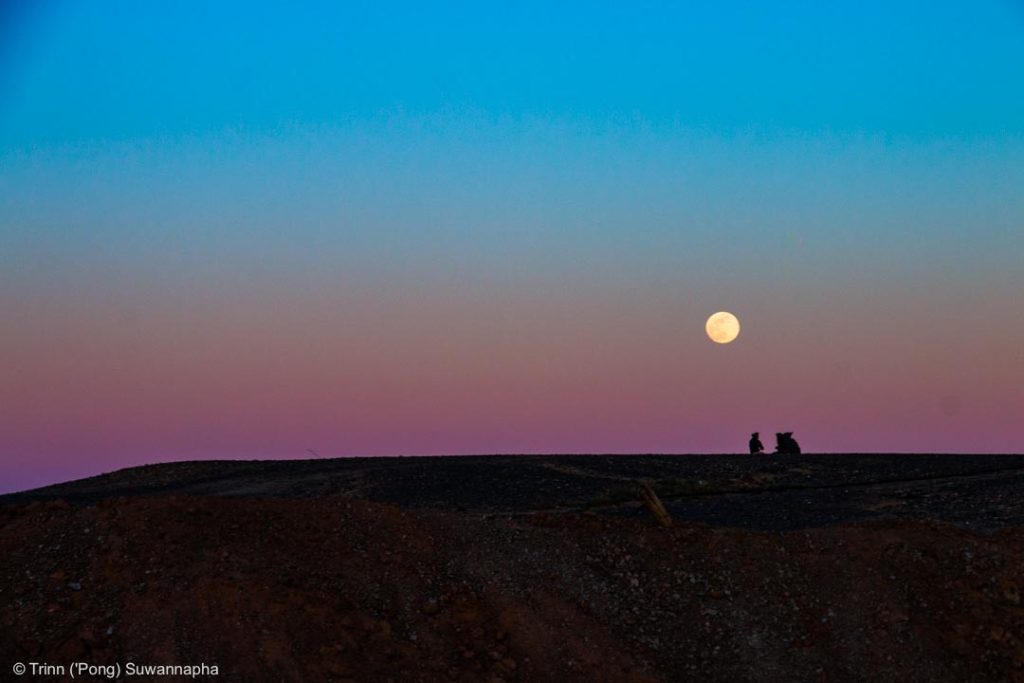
333	589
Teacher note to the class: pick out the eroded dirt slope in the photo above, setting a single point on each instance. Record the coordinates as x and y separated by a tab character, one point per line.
336	588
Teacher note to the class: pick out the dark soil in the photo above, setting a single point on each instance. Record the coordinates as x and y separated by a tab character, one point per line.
807	568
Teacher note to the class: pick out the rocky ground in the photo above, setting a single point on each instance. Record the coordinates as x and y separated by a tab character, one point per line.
816	568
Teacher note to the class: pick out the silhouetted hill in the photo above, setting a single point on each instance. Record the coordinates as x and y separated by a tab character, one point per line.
527	568
764	491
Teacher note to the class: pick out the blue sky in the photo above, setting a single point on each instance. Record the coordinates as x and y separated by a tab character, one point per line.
140	70
822	139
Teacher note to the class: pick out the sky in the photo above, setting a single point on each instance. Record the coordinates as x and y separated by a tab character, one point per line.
245	230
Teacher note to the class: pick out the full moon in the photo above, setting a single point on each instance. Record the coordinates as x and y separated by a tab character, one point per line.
722	327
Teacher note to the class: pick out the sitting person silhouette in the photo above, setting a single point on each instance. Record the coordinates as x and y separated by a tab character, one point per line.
786	444
794	447
755	443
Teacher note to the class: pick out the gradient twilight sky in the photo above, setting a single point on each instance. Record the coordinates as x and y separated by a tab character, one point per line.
245	230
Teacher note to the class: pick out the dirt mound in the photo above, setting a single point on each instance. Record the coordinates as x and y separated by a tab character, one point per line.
334	589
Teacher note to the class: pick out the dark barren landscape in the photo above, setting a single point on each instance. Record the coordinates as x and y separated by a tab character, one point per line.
528	568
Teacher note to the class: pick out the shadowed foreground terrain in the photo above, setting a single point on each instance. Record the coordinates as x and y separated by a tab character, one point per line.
527	568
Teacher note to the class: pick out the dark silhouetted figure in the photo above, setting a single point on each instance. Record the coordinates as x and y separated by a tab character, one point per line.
794	447
755	443
786	444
